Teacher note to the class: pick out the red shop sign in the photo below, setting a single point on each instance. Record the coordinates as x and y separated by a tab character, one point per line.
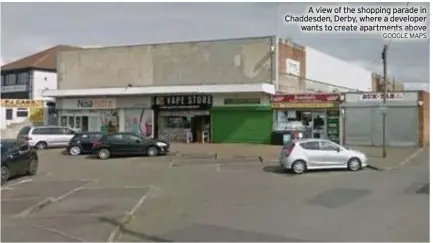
300	98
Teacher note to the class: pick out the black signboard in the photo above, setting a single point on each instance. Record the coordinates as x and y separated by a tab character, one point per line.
183	102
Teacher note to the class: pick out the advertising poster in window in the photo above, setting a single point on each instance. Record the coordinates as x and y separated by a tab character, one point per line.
36	115
139	121
109	121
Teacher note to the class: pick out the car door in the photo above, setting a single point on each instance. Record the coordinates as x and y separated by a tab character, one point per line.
43	134
313	153
65	136
332	153
53	136
136	144
18	163
117	143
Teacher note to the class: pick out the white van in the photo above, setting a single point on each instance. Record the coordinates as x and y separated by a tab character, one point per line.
46	136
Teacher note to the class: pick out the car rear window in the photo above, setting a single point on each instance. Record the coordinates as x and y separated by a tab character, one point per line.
90	136
24	131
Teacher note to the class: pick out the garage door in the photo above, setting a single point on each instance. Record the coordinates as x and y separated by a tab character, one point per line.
241	125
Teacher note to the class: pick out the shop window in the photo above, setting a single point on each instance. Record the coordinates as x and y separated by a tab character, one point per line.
171	122
22	112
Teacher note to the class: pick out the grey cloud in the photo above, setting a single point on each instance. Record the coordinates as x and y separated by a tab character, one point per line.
29	27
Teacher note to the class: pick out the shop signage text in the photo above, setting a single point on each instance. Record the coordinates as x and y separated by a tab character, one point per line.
300	98
22	103
242	101
14	88
183	101
379	96
304	105
95	103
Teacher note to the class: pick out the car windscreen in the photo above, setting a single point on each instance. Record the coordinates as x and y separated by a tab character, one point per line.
24	131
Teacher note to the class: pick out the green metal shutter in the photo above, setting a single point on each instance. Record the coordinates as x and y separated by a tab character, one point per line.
241	125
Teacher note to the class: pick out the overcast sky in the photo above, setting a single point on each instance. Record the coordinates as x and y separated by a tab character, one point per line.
31	27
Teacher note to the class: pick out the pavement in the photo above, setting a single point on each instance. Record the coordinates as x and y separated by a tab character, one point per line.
200	199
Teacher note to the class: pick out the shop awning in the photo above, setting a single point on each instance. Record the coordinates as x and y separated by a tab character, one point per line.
160	90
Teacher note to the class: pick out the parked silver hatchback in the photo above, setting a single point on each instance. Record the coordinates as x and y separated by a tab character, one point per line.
313	154
42	137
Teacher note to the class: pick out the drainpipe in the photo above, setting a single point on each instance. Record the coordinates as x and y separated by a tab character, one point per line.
277	64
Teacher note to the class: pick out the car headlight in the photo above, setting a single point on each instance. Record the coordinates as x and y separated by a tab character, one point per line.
160	144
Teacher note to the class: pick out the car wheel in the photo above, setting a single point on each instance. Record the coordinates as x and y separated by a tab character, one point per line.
41	145
299	167
75	150
5	174
152	151
104	153
354	164
33	167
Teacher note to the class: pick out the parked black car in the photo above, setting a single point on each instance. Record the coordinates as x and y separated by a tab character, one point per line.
128	144
17	159
82	143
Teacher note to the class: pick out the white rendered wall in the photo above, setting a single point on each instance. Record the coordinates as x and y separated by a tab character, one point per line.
41	81
325	68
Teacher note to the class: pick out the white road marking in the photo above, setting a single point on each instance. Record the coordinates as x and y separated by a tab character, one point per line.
60	233
116	231
16	183
218	169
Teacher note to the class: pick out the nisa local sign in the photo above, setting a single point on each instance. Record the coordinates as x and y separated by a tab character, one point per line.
96	103
14	88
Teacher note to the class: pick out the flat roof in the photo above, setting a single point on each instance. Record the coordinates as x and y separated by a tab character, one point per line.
159	90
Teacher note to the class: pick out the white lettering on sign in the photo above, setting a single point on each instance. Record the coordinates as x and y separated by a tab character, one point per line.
379	96
95	103
184	100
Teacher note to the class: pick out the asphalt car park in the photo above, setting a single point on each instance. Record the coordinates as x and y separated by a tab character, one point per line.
71	210
190	198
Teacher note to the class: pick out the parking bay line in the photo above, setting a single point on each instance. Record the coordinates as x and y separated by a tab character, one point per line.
9	187
47	202
60	233
125	220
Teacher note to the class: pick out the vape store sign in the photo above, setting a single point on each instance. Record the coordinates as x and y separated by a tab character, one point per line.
183	102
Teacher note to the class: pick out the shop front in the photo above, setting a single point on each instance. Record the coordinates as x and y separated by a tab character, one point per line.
129	114
89	114
306	116
363	116
183	118
241	118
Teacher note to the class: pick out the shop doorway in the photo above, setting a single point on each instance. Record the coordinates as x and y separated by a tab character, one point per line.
319	124
80	123
200	129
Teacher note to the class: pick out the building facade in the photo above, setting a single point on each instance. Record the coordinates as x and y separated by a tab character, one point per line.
27	78
206	91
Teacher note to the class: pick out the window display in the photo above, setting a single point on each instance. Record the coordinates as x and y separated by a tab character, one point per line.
109	121
312	124
139	121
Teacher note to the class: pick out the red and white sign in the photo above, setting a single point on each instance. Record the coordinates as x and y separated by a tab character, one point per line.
379	96
309	98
